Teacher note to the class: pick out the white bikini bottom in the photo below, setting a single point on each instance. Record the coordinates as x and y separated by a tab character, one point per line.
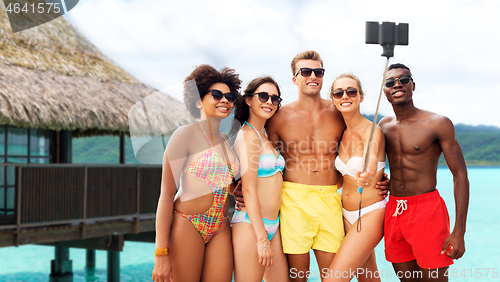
352	216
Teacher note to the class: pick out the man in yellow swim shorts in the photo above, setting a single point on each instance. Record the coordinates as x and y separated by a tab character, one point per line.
307	132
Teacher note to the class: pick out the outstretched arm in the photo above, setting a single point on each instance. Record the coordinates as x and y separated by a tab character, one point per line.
455	160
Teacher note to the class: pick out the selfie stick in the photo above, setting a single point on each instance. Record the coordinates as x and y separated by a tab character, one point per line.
387	34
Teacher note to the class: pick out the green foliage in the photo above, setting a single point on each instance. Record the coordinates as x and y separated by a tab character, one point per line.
477	128
101	150
479	148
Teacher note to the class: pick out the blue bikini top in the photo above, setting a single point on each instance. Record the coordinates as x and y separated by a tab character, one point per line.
269	164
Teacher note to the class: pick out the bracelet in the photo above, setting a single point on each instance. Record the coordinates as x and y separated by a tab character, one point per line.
162	252
264	241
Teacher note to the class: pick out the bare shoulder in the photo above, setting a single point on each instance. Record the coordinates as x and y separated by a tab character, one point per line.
247	139
239	140
287	110
179	143
330	108
245	134
378	132
436	121
386	122
378	129
283	114
328	105
327	102
183	132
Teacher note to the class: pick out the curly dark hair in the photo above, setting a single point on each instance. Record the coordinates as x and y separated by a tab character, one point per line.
205	76
241	109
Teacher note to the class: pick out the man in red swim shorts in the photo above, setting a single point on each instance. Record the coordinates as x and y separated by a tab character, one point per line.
417	225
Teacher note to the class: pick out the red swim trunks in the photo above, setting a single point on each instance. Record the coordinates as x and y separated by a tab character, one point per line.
415	229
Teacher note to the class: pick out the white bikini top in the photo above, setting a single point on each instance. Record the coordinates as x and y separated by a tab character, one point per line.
354	164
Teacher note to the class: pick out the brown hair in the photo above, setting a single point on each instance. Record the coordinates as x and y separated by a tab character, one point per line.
306	55
241	109
204	77
351	76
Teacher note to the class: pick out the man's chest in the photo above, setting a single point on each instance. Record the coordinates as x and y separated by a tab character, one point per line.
311	133
413	139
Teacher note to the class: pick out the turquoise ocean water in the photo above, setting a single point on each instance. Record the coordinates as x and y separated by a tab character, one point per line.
32	263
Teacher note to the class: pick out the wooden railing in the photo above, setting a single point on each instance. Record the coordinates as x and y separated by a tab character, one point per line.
77	194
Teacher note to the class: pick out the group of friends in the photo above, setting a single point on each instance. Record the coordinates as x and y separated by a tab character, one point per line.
285	166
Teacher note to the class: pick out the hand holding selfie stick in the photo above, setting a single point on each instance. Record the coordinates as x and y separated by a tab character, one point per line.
387	34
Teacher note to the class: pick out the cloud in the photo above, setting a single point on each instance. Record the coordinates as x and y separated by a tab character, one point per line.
452	51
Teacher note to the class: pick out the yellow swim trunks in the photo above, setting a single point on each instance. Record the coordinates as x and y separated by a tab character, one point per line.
311	218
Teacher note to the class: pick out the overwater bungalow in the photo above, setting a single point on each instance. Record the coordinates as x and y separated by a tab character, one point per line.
55	86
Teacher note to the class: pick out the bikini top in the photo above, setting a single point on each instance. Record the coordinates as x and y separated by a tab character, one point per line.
269	164
211	168
354	164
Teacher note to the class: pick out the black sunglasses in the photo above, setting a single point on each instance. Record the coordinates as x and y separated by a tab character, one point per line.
339	93
404	79
306	72
217	95
264	97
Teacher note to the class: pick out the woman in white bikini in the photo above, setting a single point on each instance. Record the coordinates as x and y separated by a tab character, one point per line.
356	250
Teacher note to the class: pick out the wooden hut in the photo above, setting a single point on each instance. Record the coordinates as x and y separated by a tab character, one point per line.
52	80
55	85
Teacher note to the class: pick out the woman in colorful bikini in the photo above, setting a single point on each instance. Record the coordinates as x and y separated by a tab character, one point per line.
356	251
193	237
258	252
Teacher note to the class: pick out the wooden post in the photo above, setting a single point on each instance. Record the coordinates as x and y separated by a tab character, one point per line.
61	269
65	146
113	256
90	255
90	261
122	148
113	266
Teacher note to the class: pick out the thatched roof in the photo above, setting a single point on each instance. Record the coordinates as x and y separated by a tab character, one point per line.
52	77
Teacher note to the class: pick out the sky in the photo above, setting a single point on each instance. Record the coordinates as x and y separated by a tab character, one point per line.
452	52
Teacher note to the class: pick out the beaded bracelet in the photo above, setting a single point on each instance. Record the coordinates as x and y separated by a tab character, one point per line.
162	252
264	241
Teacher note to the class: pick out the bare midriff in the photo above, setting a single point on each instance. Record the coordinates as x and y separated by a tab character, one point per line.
351	196
269	194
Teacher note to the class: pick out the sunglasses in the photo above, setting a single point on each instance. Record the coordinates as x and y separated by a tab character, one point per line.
339	93
306	72
404	79
264	97
217	95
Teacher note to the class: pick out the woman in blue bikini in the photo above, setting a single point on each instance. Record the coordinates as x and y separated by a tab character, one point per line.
258	252
356	251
